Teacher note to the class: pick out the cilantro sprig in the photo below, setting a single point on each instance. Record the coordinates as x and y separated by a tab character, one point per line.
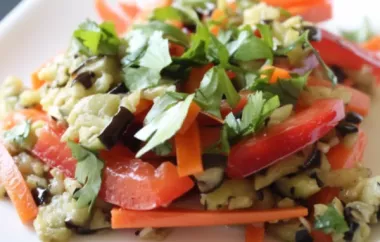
331	222
88	172
97	39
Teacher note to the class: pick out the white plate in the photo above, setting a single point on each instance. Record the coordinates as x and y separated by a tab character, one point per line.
39	29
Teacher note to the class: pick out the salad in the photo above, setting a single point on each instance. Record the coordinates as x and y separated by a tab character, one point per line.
196	113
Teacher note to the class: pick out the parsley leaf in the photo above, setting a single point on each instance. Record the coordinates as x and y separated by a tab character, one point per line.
183	14
137	42
97	39
331	222
253	117
197	53
18	134
88	172
163	149
213	86
155	58
159	106
266	34
253	48
233	46
157	55
170	32
163	126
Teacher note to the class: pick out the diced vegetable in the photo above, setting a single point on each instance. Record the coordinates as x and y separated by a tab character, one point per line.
192	114
133	184
188	151
278	73
190	218
36	82
16	187
282	140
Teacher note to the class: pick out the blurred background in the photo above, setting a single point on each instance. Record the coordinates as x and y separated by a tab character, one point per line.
6	6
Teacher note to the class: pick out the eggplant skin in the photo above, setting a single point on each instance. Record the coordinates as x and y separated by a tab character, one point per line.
115	129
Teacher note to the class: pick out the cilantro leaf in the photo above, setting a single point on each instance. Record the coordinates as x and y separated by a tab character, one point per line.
170	32
253	48
88	172
97	39
164	126
163	149
213	86
266	34
183	14
137	43
233	46
197	53
331	222
18	134
159	106
140	78
157	55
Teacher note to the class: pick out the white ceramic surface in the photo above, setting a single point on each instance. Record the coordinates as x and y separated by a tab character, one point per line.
38	29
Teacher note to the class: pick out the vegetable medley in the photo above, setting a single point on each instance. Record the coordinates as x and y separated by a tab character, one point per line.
247	107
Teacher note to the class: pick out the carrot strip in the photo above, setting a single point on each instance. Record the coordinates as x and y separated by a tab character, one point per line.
164	218
189	153
130	9
278	73
195	78
254	234
143	106
192	114
107	14
16	187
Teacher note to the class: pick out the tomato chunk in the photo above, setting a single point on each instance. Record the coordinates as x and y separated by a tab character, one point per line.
134	184
282	140
52	151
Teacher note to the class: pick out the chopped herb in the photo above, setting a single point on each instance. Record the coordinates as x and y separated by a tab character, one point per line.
140	78
97	39
164	126
214	85
137	43
170	32
163	149
331	222
18	134
88	172
183	14
197	53
233	46
253	48
266	34
157	55
160	105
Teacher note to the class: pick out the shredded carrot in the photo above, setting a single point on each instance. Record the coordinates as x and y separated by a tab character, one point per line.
373	44
188	151
278	73
195	78
163	218
16	187
130	9
143	106
254	233
107	14
36	82
191	116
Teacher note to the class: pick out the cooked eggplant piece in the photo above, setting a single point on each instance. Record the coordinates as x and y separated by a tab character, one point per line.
344	128
41	196
98	222
115	129
301	186
353	117
128	137
210	179
213	176
232	194
119	89
303	235
84	78
309	157
359	212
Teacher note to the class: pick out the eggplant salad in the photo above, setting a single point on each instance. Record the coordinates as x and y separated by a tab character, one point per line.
247	109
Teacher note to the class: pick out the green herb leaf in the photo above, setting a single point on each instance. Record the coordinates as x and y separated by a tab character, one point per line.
252	113
97	39
137	43
233	46
266	34
183	14
157	55
213	86
331	222
197	53
160	105
163	149
164	126
89	173
196	3
140	78
253	49
18	134
170	32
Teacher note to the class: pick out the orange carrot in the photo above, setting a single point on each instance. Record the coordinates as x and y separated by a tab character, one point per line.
373	44
341	156
318	12
189	153
195	78
278	73
219	15
254	233
143	106
107	14
16	187
191	116
36	82
130	9
163	218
